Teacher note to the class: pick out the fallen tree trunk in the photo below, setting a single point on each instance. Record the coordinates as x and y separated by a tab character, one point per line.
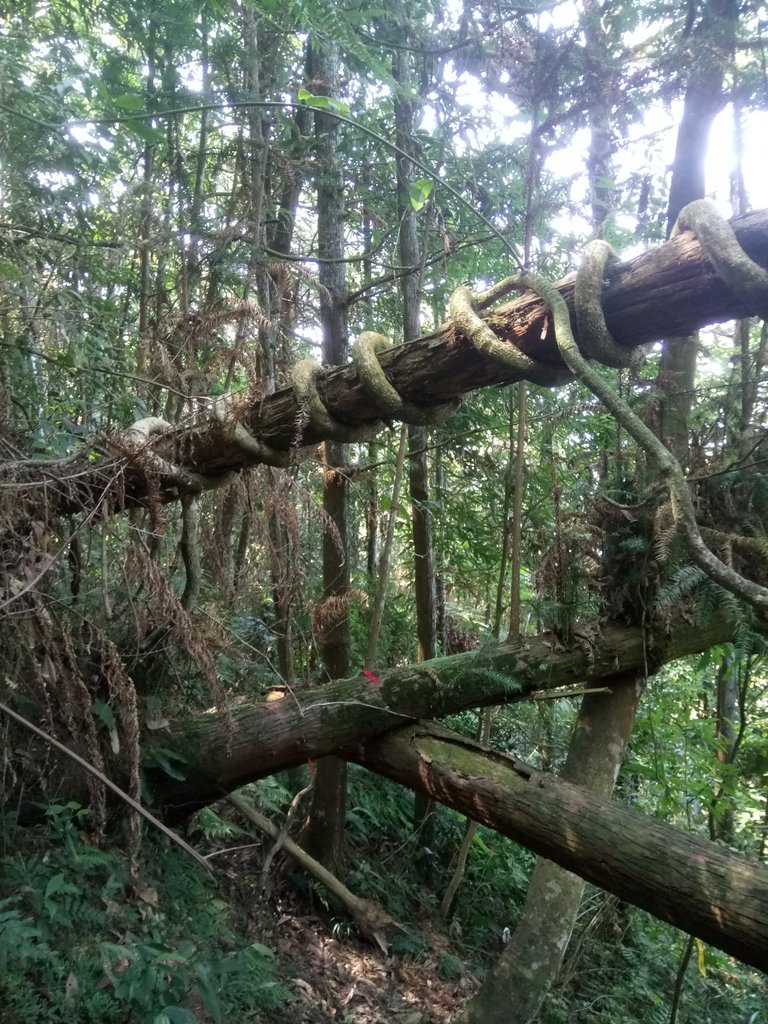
666	292
224	750
718	896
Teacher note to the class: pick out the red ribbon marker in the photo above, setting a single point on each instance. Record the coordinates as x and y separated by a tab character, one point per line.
310	766
371	677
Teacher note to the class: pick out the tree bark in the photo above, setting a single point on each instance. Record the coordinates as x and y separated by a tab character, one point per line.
687	881
410	255
711	53
719	896
324	835
384	564
224	750
670	290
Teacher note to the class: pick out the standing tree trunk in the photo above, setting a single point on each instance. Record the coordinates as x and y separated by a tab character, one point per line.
382	574
531	962
146	213
729	713
711	51
513	498
423	554
324	837
515	988
418	474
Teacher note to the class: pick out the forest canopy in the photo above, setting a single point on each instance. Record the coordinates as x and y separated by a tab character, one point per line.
382	408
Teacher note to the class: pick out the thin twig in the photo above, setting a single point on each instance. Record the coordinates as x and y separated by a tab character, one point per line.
107	782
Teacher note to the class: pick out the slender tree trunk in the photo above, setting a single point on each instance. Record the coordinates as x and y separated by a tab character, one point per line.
506	522
728	715
382	575
440	595
281	557
515	989
418	437
145	218
421	525
513	497
603	74
711	51
517	515
372	517
324	837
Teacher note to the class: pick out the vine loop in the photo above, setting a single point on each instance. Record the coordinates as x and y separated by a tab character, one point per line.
463	310
243	439
312	406
746	279
595	340
389	403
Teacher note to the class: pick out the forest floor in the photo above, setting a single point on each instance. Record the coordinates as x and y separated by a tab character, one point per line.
341	978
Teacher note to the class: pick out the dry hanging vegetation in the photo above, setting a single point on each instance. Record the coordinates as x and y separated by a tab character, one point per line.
177	556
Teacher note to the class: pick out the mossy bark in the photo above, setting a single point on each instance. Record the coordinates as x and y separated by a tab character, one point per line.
223	750
693	883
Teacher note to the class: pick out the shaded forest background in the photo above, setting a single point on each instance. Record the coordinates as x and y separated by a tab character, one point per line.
193	199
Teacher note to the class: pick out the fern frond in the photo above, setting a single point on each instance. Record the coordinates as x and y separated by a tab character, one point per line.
684	582
502	680
664	527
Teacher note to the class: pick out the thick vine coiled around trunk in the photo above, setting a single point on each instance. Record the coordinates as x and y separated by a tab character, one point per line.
387	400
246	441
747	280
744	277
595	339
463	308
682	504
312	406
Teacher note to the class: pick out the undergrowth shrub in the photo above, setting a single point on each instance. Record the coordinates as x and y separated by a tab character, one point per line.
632	976
78	943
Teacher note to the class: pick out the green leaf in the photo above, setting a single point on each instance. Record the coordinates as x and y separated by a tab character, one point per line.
104	713
144	132
174	1015
421	190
162	758
323	103
207	992
9	271
265	951
56	884
129	101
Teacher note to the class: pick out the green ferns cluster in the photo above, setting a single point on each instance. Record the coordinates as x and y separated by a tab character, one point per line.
76	944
